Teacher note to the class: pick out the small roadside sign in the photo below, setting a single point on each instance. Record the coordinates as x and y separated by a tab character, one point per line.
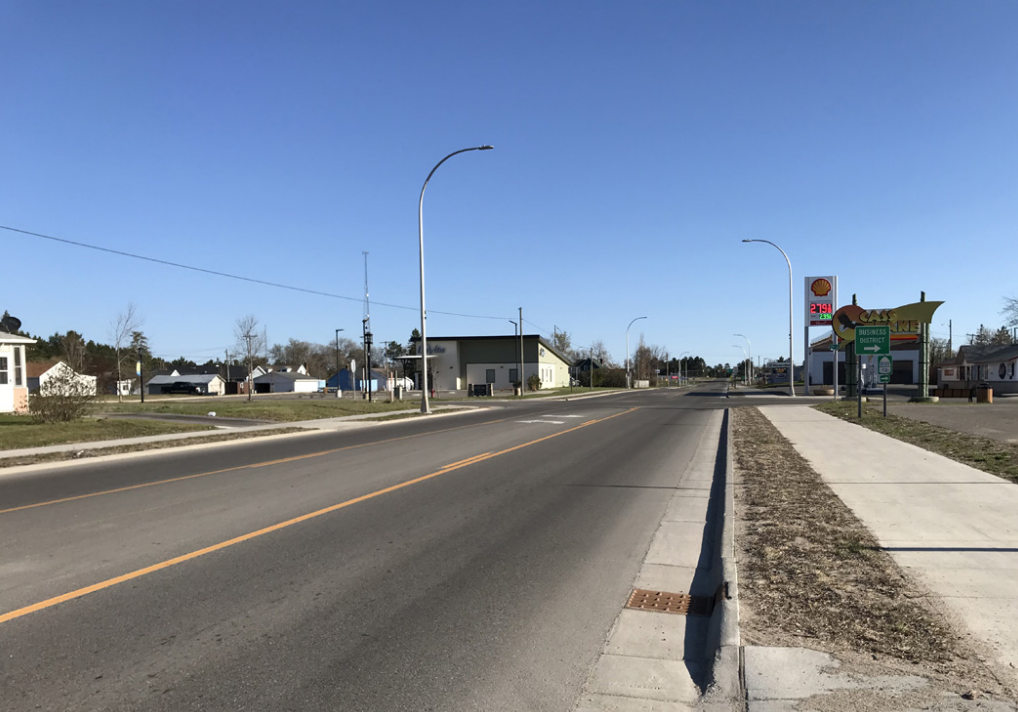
873	340
884	368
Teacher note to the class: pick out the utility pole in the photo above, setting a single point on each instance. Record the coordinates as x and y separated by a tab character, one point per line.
250	365
519	366
523	364
339	393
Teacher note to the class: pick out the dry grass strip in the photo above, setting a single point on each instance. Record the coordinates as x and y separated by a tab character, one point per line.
809	572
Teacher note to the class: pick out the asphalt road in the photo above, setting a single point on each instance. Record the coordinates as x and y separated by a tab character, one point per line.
469	562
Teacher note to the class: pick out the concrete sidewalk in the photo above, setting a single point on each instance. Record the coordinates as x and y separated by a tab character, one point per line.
951	528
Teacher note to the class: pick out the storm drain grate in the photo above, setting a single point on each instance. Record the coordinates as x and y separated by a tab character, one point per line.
681	603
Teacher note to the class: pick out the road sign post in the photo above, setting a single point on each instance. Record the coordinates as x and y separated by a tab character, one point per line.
884	368
873	341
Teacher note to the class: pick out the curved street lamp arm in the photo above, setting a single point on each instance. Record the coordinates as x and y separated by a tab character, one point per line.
420	231
791	328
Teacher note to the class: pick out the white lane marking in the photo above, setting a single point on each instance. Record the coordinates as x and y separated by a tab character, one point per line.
550	422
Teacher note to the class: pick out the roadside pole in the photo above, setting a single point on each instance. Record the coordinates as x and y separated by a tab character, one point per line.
834	350
874	341
858	384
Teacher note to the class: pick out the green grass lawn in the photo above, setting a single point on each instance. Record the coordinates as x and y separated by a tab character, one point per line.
984	454
274	410
17	431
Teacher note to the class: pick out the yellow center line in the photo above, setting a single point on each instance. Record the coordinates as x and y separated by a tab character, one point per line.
254	465
467	461
49	602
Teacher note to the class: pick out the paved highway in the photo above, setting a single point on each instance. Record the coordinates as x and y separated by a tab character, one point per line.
466	562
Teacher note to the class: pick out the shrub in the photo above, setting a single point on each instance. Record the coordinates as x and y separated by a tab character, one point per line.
62	398
534	382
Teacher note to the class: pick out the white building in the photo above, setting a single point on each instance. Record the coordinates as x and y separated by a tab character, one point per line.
285	382
39	374
904	357
13	380
995	365
455	362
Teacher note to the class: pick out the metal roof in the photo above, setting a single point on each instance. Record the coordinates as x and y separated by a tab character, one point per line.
195	378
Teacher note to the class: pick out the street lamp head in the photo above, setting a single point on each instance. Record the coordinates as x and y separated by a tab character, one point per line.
485	148
749	240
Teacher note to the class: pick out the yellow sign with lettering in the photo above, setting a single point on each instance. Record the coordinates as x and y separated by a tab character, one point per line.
904	320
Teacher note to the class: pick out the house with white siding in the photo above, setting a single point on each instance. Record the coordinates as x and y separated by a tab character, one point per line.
39	374
993	364
13	378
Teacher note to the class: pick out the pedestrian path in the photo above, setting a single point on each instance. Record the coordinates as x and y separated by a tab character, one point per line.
952	528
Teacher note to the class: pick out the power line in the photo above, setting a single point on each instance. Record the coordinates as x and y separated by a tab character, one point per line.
539	328
252	280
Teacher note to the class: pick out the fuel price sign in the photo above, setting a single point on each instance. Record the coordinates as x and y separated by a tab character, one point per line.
821	300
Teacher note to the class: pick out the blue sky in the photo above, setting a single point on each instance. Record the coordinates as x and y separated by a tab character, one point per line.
636	145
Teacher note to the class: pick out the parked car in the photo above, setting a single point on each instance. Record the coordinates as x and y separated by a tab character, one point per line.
183	387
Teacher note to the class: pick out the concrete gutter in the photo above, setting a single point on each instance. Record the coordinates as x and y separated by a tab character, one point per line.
724	642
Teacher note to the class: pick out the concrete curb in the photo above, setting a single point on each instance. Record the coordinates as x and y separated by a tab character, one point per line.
724	642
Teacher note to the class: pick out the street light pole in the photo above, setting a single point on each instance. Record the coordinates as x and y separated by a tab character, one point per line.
738	346
628	382
420	233
791	343
750	345
685	367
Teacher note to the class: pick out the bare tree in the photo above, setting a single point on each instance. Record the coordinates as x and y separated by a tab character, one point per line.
1010	311
563	343
250	344
121	329
600	352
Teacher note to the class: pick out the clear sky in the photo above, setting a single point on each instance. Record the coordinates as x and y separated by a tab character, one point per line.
636	145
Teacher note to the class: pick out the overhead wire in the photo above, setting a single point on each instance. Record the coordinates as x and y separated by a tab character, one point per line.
539	328
227	275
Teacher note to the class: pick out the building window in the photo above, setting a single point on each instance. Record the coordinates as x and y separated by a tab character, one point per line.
3	370
17	366
514	375
489	375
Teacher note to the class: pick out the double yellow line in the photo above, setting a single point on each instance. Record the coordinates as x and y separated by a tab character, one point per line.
49	602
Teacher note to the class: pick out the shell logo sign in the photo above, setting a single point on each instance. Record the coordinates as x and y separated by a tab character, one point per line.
821	300
821	287
904	320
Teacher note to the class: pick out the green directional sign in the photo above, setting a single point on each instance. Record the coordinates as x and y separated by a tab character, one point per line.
884	368
873	340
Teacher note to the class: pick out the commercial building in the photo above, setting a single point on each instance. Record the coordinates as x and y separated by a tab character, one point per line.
454	362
